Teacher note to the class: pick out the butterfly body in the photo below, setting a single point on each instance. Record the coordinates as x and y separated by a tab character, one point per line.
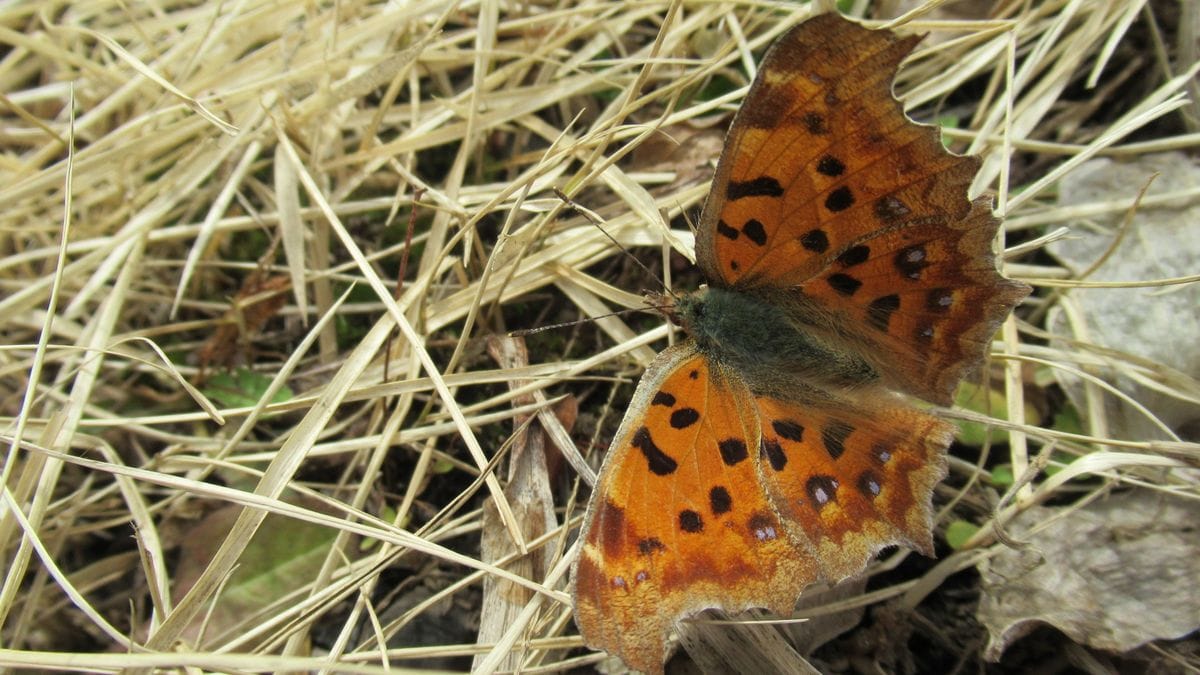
775	351
779	445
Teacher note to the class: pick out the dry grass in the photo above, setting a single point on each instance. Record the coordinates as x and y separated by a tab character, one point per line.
151	153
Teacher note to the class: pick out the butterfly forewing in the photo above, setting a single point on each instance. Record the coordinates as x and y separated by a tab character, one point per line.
853	219
786	160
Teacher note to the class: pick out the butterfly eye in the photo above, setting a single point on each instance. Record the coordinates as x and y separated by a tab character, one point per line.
687	312
673	315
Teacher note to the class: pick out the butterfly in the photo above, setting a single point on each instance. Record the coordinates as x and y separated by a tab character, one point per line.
779	445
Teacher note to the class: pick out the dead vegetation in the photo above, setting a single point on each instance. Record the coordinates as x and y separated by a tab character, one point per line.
321	503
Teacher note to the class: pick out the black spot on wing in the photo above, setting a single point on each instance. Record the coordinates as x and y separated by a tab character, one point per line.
658	461
650	545
690	521
844	284
733	450
910	261
924	333
939	300
868	484
840	199
821	490
788	429
814	123
763	526
763	186
774	453
890	209
855	255
726	231
684	418
815	240
879	312
833	437
663	398
830	166
719	500
755	232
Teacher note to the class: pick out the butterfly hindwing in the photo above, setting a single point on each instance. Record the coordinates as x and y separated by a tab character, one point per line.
682	521
924	299
853	477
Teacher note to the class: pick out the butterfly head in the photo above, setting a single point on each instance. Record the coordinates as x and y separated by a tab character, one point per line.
717	317
706	314
667	304
687	311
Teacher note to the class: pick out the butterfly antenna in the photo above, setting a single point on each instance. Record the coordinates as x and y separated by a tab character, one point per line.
530	331
690	223
595	220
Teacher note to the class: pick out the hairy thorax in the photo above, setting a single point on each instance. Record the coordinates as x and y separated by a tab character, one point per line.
775	351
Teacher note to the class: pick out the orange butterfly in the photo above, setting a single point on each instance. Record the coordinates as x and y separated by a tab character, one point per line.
773	449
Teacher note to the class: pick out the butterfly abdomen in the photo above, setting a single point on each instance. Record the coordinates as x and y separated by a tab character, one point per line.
774	352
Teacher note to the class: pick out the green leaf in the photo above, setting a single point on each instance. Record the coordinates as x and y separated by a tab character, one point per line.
959	532
1002	475
947	121
388	514
991	402
242	388
1067	420
284	555
283	552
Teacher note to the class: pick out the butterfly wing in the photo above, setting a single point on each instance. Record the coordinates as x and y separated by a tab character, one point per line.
712	497
849	478
832	206
680	520
923	300
819	111
852	218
